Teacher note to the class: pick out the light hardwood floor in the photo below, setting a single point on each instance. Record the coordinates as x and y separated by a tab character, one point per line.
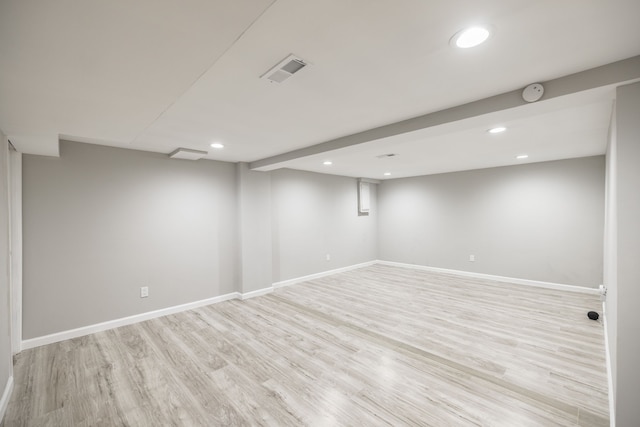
375	346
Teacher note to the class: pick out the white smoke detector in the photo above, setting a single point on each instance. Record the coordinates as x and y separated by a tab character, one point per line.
284	69
533	92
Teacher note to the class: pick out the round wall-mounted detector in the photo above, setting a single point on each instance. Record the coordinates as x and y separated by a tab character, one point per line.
533	92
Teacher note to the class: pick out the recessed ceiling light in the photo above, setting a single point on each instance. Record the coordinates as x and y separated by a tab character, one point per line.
522	156
328	163
387	173
470	37
217	145
498	129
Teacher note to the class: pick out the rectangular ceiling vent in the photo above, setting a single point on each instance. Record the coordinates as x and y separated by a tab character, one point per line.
284	69
187	154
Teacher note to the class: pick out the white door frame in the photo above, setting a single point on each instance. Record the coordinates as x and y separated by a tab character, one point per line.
15	246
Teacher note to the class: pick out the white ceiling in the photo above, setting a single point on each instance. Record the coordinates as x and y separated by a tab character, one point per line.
158	75
568	127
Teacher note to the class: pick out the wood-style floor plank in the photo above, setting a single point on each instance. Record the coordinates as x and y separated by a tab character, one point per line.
375	346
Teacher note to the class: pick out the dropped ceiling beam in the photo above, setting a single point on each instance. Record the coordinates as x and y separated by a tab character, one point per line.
616	73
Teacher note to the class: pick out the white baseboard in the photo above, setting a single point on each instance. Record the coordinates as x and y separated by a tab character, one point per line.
257	293
290	282
111	324
536	283
607	352
6	395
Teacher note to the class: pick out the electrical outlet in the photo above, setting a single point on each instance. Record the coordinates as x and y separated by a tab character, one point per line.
328	257
472	258
144	292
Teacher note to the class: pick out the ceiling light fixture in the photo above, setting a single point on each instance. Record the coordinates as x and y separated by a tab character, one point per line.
217	145
522	156
387	174
470	37
328	163
498	129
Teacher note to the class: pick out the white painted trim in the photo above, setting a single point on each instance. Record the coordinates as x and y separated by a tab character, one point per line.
536	283
111	324
257	293
99	327
607	352
104	326
6	395
290	282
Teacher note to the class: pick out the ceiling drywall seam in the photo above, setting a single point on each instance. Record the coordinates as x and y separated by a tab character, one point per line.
205	71
611	74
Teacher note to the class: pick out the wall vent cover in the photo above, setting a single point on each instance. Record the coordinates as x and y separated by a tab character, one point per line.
284	69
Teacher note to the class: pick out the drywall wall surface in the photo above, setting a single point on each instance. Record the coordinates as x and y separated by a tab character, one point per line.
628	250
101	222
15	237
610	250
5	319
254	211
315	215
539	221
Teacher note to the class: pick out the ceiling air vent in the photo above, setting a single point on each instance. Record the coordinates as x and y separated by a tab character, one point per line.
284	69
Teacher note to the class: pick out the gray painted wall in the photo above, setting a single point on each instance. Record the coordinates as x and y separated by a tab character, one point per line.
101	222
6	365
540	221
314	215
254	211
627	209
